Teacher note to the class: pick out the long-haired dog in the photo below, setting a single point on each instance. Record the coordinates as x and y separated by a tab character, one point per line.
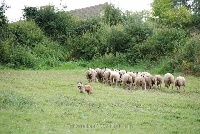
84	88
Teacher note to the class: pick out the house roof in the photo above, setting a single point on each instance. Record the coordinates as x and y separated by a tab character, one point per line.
88	12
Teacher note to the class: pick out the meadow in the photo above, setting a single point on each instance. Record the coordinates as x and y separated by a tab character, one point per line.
48	101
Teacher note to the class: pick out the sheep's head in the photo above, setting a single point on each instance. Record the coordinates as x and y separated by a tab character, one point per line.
153	80
89	71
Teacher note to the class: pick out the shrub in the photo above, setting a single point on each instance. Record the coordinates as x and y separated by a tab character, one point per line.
28	47
190	57
16	56
117	39
163	42
110	60
56	24
85	47
26	33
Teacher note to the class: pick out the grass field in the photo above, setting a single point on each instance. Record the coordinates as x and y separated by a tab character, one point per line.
49	102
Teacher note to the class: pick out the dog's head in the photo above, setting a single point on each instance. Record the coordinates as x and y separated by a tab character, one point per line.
79	85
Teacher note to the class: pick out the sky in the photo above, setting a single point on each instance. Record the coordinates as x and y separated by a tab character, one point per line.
14	13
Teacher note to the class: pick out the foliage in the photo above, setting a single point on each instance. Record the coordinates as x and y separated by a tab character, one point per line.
30	13
3	21
137	29
112	15
85	47
189	57
3	18
111	61
26	33
163	42
194	5
117	39
195	21
49	37
57	25
165	13
27	47
88	25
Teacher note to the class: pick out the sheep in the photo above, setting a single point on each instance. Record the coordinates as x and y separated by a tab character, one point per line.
168	80
158	80
99	74
140	81
84	88
144	73
115	78
180	81
150	81
127	81
106	76
91	75
133	75
122	72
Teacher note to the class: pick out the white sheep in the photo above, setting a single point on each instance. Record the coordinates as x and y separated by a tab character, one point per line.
168	80
180	81
158	80
140	81
133	75
106	76
150	81
91	75
122	72
99	74
127	81
115	78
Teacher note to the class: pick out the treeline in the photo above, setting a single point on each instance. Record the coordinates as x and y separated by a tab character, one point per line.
50	37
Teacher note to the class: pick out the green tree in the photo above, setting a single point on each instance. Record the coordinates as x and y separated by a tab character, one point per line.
30	13
56	24
165	12
118	39
112	15
3	21
194	5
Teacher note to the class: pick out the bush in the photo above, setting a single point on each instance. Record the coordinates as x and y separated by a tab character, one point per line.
85	47
28	47
117	39
16	56
26	33
163	42
190	57
186	58
56	24
110	60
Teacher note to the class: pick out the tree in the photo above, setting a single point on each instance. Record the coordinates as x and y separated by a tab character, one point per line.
56	24
118	39
166	13
194	5
3	20
112	15
30	13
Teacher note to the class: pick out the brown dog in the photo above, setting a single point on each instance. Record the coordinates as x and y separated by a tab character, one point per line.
84	88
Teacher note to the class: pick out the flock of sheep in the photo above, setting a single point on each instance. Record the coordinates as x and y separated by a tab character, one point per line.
131	80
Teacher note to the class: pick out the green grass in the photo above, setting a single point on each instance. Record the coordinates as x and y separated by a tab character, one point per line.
49	102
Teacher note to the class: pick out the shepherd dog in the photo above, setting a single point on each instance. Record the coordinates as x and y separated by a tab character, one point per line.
84	88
